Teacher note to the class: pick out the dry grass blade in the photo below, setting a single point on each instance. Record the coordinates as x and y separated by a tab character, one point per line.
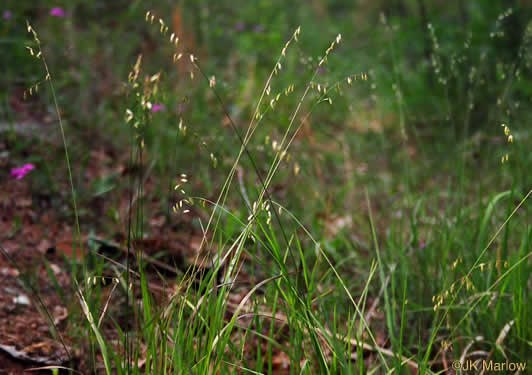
107	303
499	341
371	311
53	368
241	305
468	346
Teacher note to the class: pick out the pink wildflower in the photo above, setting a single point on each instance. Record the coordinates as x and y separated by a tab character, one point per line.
57	12
7	15
158	107
20	172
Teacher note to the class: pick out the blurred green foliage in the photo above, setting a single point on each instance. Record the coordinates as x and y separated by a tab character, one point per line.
454	72
468	72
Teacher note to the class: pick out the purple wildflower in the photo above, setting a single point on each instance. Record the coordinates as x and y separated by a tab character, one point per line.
20	172
7	15
240	26
158	107
57	12
258	29
181	107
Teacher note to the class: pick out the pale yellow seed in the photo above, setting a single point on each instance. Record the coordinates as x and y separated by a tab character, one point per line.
506	129
504	159
129	115
297	32
297	168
